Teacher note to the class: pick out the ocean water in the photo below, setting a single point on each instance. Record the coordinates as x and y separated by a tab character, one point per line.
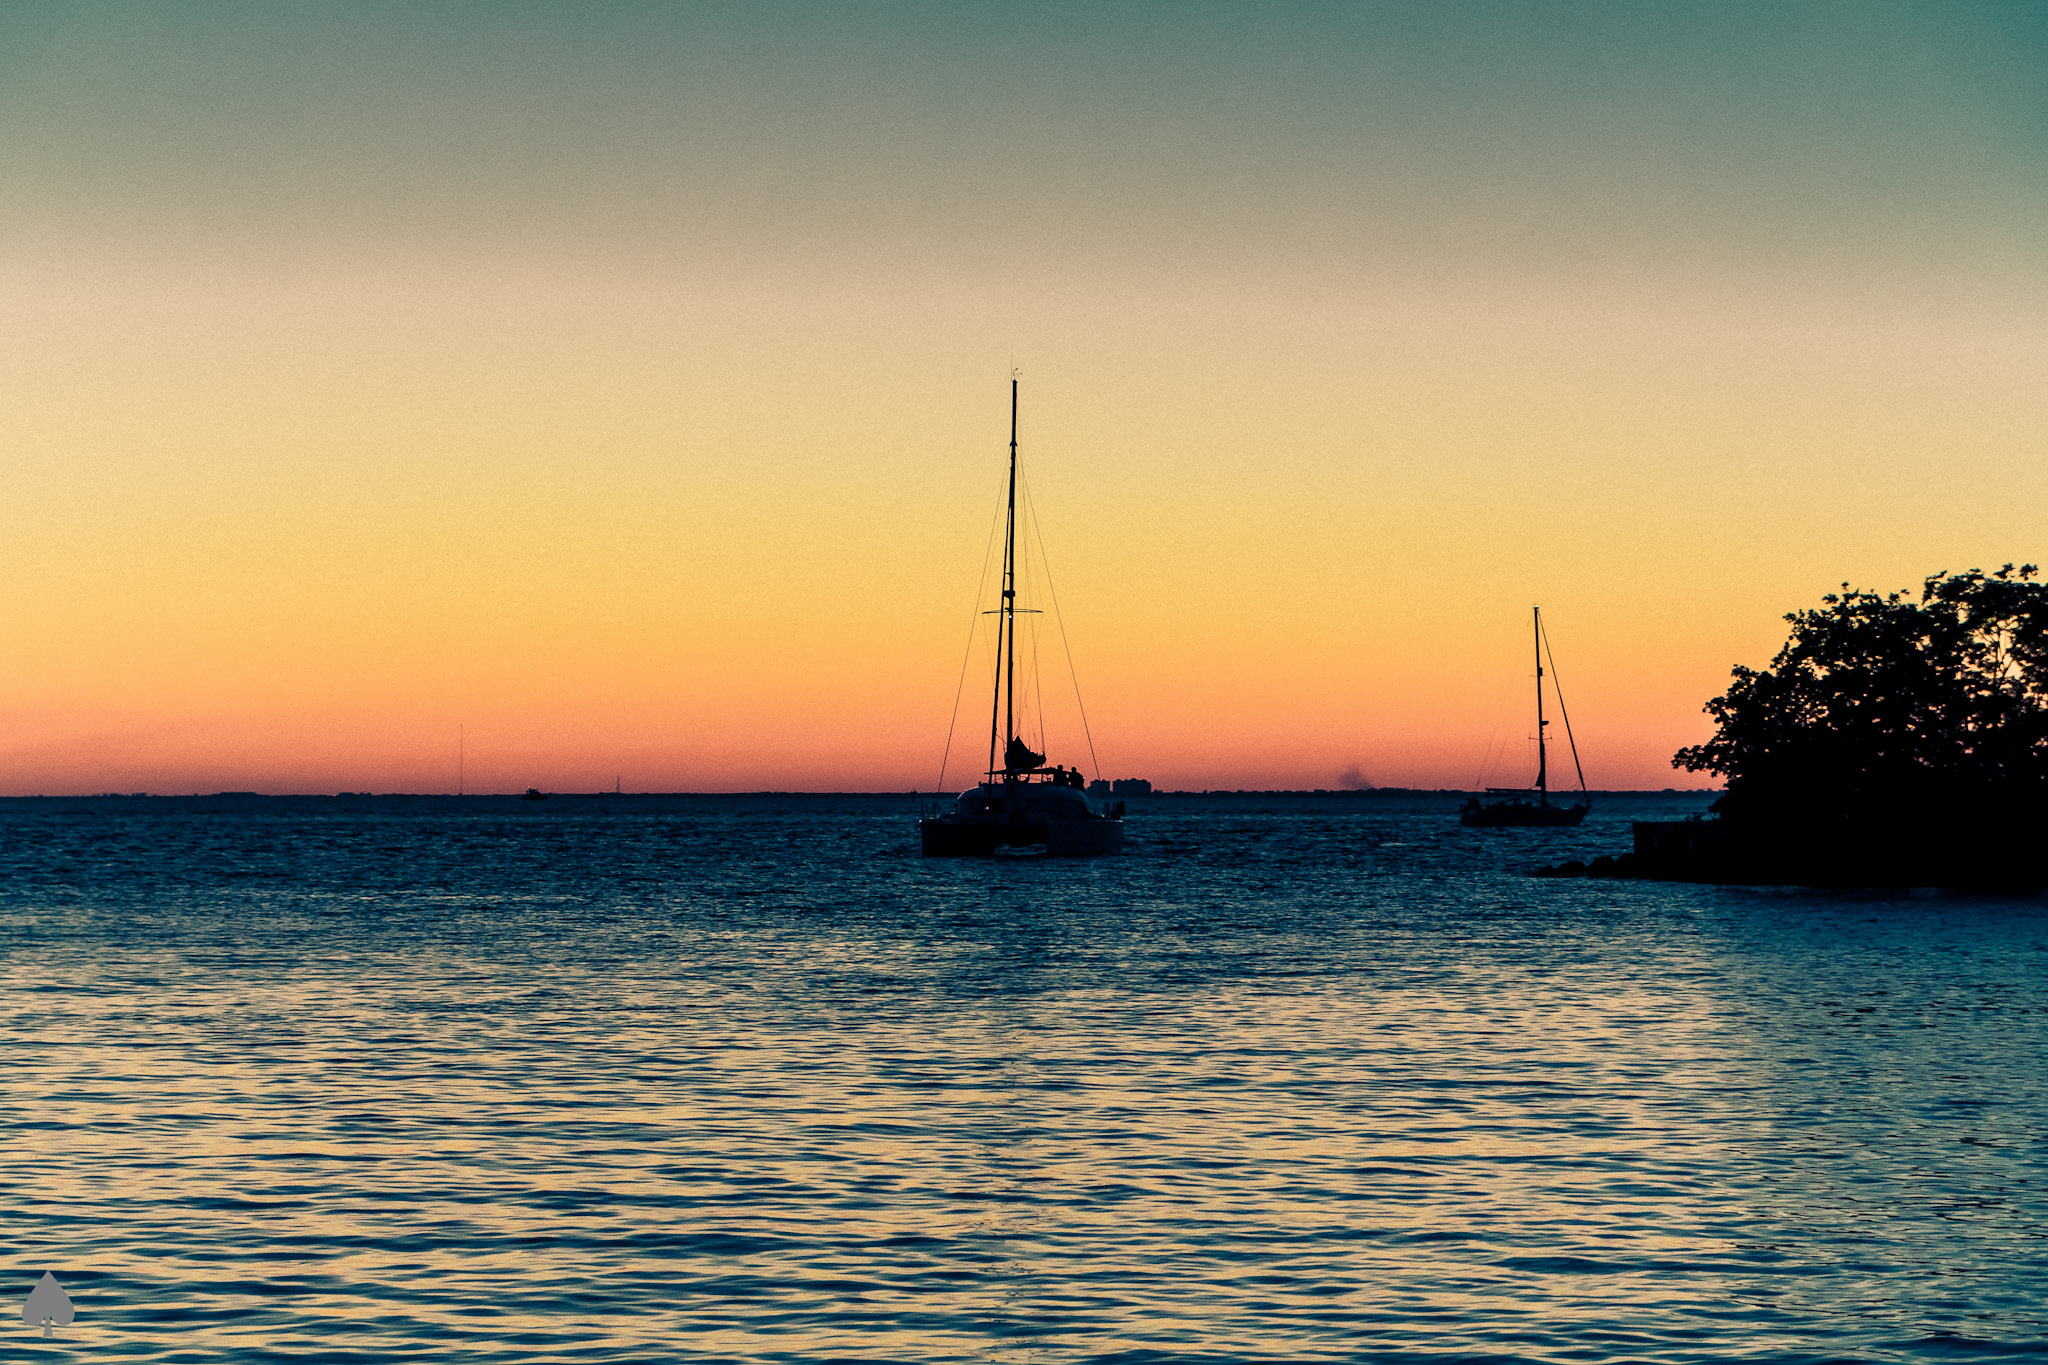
745	1079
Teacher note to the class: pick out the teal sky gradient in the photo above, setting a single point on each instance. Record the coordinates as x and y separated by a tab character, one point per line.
1397	140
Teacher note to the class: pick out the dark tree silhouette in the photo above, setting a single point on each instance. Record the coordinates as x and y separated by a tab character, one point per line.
1886	719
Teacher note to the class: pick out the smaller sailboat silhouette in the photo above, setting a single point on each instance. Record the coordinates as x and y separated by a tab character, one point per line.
47	1303
1512	805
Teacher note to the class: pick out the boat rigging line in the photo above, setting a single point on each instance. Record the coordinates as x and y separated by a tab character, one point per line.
967	655
1045	567
1503	695
1558	688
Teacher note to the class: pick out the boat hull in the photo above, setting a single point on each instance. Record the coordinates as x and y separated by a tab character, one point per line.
1521	815
949	838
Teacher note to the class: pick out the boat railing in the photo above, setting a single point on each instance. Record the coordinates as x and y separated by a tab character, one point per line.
1055	777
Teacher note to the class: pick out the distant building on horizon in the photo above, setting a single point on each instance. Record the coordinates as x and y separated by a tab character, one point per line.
1123	786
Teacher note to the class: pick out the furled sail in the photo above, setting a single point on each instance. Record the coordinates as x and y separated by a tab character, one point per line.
1019	758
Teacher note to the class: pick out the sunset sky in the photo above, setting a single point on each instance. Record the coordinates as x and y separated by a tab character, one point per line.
625	387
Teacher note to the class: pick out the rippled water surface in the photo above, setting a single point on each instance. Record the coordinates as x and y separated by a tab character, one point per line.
745	1079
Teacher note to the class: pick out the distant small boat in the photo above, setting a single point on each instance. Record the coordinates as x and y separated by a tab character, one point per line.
1530	807
534	794
1023	806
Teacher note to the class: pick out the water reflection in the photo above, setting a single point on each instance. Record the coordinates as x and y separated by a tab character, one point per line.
1328	1082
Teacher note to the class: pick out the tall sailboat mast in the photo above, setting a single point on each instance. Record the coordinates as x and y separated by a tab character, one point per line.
1003	705
1010	584
1542	760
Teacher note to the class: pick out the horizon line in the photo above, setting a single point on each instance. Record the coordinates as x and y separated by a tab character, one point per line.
770	791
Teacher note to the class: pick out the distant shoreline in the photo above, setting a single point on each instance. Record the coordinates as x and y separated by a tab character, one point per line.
1369	794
